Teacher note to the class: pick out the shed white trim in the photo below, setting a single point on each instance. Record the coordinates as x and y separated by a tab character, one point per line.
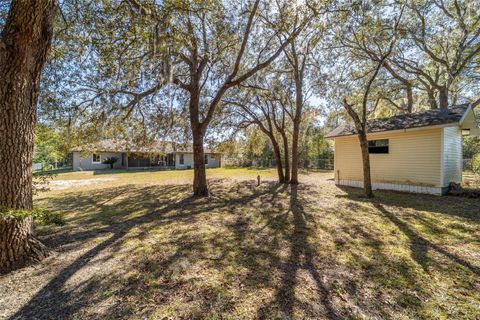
393	187
442	158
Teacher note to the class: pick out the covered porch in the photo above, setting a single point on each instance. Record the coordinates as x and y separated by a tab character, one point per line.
147	161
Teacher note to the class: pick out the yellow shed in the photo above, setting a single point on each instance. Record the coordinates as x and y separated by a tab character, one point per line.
418	152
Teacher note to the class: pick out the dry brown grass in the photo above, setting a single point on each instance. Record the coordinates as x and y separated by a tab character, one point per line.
134	250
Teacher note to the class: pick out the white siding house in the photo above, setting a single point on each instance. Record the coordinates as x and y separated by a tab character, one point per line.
86	161
419	152
159	155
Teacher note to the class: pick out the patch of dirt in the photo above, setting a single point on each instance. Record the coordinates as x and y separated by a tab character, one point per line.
68	184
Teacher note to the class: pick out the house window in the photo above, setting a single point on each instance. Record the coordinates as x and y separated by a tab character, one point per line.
182	160
206	159
378	146
96	158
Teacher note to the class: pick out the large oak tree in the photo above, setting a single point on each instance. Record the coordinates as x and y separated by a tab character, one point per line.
204	53
359	87
24	46
199	49
439	46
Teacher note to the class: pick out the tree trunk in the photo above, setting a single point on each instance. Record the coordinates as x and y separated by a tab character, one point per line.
286	156
278	160
24	45
409	90
17	245
296	124
443	97
367	180
431	98
200	188
295	138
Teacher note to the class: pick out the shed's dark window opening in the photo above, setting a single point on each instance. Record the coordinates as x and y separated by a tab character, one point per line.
378	146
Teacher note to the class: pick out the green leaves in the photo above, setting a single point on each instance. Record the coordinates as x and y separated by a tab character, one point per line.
41	216
47	146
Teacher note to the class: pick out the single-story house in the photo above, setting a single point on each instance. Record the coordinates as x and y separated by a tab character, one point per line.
418	152
159	155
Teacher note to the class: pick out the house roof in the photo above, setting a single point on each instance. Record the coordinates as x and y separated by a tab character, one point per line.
119	145
406	121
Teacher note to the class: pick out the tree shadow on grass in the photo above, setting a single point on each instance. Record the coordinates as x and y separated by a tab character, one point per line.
95	214
260	252
420	245
53	302
465	208
307	280
119	211
301	256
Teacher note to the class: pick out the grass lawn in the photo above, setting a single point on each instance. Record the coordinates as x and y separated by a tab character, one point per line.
136	246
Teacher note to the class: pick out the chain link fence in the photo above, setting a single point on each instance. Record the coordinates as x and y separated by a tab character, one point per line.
317	163
467	165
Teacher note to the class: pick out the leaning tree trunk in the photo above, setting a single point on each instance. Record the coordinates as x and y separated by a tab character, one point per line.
24	45
367	180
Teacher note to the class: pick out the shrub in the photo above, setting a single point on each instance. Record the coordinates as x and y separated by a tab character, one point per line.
111	161
41	216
